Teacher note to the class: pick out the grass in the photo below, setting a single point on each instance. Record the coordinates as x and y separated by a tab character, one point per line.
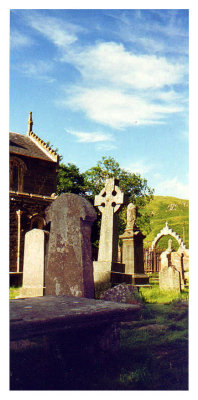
13	292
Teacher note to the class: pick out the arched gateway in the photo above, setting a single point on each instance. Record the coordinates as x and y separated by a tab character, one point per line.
168	231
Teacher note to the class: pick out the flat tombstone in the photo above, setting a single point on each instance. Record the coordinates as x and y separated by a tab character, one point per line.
34	261
69	268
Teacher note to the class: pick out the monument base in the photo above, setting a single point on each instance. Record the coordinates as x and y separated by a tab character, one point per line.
130	279
31	292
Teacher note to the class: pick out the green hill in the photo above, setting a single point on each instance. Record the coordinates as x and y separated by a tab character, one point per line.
173	210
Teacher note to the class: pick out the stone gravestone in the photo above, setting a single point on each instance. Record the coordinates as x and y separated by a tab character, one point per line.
169	279
165	256
132	249
109	202
35	250
69	269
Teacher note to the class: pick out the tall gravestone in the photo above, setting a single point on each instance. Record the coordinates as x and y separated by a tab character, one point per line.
35	250
108	202
69	269
132	249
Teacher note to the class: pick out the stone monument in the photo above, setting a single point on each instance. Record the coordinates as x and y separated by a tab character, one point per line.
109	202
35	250
69	269
132	249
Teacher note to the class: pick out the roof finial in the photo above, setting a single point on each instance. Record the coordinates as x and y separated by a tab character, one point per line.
30	123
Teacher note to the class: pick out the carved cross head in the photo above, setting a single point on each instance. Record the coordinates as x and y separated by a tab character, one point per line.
110	198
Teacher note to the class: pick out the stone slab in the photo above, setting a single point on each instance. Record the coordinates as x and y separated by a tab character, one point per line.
52	337
39	315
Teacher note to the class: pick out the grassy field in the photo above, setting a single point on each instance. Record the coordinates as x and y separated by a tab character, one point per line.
173	210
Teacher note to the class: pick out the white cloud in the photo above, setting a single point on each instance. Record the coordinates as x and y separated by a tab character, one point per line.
91	137
59	32
116	109
172	187
111	62
39	70
139	167
18	39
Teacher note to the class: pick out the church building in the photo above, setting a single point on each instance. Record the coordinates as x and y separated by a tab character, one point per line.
33	176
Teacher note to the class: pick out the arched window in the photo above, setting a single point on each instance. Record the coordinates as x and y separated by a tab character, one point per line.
17	171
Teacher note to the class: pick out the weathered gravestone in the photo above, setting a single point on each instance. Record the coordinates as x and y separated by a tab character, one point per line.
169	279
171	259
132	248
109	202
35	249
69	269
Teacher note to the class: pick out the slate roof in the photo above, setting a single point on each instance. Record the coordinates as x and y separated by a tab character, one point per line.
24	145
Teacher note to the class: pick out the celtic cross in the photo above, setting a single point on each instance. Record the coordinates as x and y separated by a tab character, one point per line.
109	202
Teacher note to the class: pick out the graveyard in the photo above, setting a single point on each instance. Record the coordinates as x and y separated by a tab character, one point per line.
79	324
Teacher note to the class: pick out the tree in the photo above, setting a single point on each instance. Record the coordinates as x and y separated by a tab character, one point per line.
135	188
70	180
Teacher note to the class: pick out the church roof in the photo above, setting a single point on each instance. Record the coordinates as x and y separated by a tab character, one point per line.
31	146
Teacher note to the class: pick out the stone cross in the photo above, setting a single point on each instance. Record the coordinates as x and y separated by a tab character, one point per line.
109	202
131	216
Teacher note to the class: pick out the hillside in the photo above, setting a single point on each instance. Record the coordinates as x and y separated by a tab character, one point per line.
173	210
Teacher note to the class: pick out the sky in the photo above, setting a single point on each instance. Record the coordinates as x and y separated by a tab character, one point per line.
106	82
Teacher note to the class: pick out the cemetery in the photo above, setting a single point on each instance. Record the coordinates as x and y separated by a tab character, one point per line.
79	324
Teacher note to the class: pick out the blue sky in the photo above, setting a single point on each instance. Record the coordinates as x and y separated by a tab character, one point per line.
106	83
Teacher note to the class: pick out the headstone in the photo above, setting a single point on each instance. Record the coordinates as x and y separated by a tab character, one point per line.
109	202
69	269
165	256
169	279
35	250
177	261
173	259
132	248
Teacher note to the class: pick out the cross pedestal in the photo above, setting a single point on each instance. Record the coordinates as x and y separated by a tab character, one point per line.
109	202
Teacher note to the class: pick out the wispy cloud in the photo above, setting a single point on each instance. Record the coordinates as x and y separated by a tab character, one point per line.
38	70
139	167
112	63
116	109
91	137
17	39
120	89
59	32
172	187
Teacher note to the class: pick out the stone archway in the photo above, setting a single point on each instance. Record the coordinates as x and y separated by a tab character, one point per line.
168	231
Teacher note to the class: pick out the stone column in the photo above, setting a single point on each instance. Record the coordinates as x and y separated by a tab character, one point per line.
132	248
19	213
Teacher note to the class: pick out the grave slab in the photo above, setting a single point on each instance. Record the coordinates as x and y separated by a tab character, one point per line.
51	335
